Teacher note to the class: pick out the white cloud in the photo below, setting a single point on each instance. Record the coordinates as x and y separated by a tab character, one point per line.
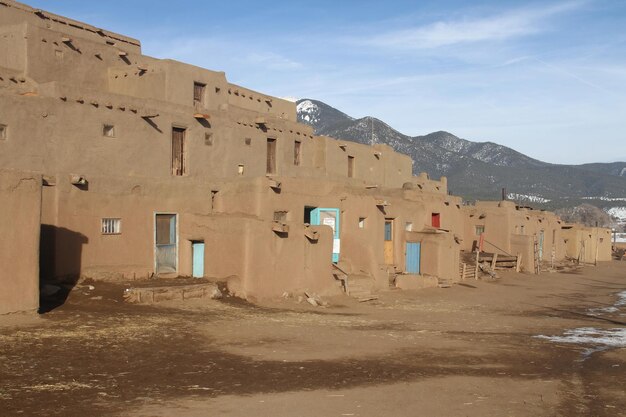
273	61
513	24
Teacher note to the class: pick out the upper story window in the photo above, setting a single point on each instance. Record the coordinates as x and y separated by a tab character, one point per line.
179	152
3	132
111	226
480	229
350	166
198	92
108	130
297	148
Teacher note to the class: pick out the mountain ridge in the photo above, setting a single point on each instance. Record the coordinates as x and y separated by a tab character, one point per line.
476	170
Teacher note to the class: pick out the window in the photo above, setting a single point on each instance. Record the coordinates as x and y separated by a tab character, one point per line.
480	229
198	93
208	139
361	222
296	152
179	164
247	141
350	166
388	230
280	216
108	131
111	226
271	156
522	229
240	169
408	226
436	220
3	132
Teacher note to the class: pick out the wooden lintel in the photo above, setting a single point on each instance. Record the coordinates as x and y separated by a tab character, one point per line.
280	227
312	235
274	184
382	203
204	116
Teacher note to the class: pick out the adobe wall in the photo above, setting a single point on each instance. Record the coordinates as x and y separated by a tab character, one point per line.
20	194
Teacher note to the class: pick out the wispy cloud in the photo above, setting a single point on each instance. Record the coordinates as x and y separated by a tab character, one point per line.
512	24
273	61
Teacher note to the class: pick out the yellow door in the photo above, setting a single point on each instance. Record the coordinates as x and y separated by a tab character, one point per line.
389	242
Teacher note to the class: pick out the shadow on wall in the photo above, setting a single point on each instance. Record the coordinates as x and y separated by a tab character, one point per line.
60	252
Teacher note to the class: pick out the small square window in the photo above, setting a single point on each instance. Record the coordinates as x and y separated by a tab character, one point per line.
111	226
108	131
4	132
361	222
479	230
280	216
248	141
240	169
208	139
408	226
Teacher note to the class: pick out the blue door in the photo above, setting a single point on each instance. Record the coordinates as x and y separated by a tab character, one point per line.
198	259
329	217
413	250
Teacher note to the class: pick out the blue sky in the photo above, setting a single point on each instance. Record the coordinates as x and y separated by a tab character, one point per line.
545	78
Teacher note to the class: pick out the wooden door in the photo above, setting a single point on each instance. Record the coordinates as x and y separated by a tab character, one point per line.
197	259
413	253
166	247
388	249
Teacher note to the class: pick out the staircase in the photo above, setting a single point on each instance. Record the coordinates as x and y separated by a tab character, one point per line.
360	287
356	286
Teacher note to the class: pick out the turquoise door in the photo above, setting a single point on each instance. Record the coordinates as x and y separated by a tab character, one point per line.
329	217
413	250
198	259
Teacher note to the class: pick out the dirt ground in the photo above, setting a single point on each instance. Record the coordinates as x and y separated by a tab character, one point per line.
468	350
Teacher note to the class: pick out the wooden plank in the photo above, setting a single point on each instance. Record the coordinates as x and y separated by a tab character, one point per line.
493	261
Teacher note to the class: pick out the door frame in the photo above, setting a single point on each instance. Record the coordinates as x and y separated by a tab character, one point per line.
419	257
315	213
392	243
154	244
198	242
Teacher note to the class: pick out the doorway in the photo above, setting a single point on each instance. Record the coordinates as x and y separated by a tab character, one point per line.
328	217
413	254
388	249
166	243
197	259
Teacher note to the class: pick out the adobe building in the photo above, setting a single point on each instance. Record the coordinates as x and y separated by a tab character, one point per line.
508	229
157	168
20	194
150	167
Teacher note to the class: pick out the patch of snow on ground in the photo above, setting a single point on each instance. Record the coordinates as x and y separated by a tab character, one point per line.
526	197
593	338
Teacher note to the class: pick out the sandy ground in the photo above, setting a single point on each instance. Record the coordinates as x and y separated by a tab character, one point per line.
468	350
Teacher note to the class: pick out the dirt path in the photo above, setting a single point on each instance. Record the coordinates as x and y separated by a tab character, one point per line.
467	350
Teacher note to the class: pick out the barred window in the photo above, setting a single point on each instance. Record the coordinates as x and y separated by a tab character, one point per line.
111	226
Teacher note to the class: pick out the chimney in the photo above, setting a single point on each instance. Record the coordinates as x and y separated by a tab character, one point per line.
503	194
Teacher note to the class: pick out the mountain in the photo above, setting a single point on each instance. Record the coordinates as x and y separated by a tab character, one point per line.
479	170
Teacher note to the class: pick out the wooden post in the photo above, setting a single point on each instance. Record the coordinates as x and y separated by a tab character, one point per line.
493	261
463	274
518	265
476	269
